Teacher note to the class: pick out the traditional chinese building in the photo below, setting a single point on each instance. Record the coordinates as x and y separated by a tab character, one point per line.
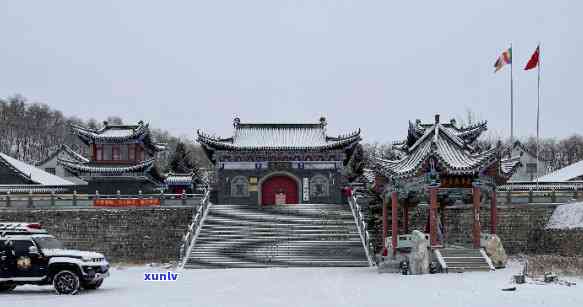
179	183
533	167
122	159
64	152
19	177
270	163
440	165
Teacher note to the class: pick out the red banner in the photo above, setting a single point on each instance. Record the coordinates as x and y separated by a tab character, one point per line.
126	202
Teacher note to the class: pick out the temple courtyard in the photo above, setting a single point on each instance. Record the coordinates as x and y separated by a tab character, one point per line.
307	287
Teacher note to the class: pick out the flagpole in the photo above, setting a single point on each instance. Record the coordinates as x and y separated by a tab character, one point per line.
511	98
538	115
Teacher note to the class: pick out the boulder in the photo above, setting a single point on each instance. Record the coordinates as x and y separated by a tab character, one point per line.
496	252
420	255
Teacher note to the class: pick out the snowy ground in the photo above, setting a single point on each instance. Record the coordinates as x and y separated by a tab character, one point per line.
335	287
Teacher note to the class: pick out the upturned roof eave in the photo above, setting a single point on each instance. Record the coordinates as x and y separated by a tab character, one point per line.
216	143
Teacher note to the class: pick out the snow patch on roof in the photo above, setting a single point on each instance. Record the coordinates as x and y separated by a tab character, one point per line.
568	216
37	175
564	174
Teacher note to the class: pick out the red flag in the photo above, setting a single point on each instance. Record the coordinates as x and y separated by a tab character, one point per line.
533	62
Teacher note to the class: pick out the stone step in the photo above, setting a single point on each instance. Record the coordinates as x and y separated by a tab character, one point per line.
288	232
468	269
229	265
321	243
276	227
299	235
278	238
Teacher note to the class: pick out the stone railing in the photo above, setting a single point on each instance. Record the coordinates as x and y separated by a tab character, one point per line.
362	229
189	238
77	200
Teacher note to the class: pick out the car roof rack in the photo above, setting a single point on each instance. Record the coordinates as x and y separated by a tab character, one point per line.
21	228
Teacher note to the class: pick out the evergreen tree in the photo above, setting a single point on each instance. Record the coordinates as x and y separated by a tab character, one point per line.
181	162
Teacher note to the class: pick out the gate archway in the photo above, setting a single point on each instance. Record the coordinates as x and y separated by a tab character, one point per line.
279	188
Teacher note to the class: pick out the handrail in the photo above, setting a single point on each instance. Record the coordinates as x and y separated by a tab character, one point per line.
198	215
440	259
362	228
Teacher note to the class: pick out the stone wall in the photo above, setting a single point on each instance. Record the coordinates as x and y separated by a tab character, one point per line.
568	243
124	235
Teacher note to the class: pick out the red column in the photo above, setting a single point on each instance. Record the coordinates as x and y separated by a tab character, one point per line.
394	216
432	215
385	226
493	213
443	221
476	228
405	219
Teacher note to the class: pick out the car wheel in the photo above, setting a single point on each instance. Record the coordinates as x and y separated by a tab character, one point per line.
6	287
93	285
66	282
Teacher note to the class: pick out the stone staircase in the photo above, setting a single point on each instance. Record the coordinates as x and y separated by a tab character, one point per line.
277	236
460	259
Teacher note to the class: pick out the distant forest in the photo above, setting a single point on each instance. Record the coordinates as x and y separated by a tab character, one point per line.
31	131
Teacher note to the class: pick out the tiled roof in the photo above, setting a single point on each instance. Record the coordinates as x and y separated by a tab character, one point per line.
27	188
32	174
448	144
278	137
71	155
367	176
566	173
467	134
178	179
74	155
106	169
509	166
117	134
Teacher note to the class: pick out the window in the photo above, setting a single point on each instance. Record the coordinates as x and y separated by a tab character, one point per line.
107	152
21	246
239	187
319	186
50	170
131	152
115	153
124	152
139	153
49	243
98	152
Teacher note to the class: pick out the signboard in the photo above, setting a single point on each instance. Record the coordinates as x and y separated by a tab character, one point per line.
320	165
239	165
252	184
306	189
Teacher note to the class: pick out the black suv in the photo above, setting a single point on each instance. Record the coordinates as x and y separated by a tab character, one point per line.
29	255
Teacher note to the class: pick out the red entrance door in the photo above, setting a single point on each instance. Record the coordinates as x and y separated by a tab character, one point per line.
279	189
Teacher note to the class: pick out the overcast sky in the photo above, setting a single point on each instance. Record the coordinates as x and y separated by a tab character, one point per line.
374	65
